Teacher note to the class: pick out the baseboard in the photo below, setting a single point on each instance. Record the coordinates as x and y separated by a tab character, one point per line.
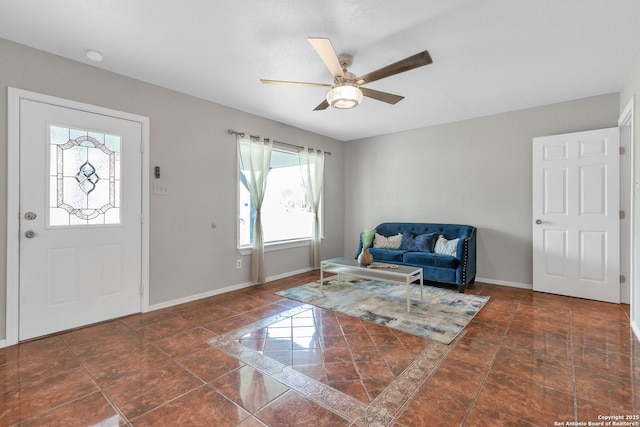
3	343
196	297
219	291
289	274
504	283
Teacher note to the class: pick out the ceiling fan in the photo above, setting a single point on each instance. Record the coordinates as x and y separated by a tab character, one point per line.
346	90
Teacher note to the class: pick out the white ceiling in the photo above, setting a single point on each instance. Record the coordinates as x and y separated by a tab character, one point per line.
489	56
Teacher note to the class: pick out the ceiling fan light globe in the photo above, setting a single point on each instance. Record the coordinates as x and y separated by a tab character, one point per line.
344	97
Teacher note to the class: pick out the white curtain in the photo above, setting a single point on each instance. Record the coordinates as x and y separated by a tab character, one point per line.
255	162
312	167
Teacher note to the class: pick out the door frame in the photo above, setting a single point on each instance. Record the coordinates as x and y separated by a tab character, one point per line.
627	193
13	198
627	119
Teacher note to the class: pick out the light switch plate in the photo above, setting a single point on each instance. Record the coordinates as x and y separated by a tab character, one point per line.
160	189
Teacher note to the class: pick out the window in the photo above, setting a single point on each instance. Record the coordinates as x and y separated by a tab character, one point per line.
286	212
84	177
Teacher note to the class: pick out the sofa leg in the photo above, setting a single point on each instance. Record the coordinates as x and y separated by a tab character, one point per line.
461	289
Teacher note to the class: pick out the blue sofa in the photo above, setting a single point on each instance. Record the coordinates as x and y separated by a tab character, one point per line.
458	270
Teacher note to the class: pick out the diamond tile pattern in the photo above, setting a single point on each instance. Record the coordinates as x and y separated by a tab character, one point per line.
250	358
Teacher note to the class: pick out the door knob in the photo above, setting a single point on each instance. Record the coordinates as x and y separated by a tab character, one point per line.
30	234
538	221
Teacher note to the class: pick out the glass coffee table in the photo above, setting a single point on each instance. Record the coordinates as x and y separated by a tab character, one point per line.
402	275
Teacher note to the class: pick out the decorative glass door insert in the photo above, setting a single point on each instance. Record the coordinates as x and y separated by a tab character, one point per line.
84	177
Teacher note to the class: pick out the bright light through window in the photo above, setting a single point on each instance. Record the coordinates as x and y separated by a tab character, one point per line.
286	212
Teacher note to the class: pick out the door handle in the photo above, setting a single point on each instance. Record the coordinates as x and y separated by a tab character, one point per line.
538	221
30	234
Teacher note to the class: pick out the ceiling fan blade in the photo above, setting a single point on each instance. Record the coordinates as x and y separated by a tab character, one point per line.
389	98
285	82
322	106
327	53
414	61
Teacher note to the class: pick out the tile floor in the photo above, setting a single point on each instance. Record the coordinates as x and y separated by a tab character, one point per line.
526	359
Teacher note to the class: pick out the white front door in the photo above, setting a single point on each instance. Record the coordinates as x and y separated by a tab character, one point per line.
80	218
576	215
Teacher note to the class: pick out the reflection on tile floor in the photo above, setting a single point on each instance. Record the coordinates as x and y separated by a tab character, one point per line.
371	391
251	358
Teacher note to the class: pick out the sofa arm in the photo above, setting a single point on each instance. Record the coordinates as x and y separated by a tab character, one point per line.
467	256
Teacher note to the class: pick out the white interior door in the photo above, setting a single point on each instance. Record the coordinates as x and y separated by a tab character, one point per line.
576	249
80	218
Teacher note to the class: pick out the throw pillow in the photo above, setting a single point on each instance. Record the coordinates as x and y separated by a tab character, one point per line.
426	242
409	242
446	247
420	243
391	242
367	238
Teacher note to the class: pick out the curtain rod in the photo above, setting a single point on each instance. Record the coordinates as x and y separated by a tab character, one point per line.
233	132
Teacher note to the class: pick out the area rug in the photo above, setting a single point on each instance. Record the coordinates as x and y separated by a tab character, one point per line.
441	317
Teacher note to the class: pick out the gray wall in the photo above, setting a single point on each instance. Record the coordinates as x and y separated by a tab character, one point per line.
474	172
198	159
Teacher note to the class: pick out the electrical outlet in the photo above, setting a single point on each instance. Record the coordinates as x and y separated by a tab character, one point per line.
238	264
